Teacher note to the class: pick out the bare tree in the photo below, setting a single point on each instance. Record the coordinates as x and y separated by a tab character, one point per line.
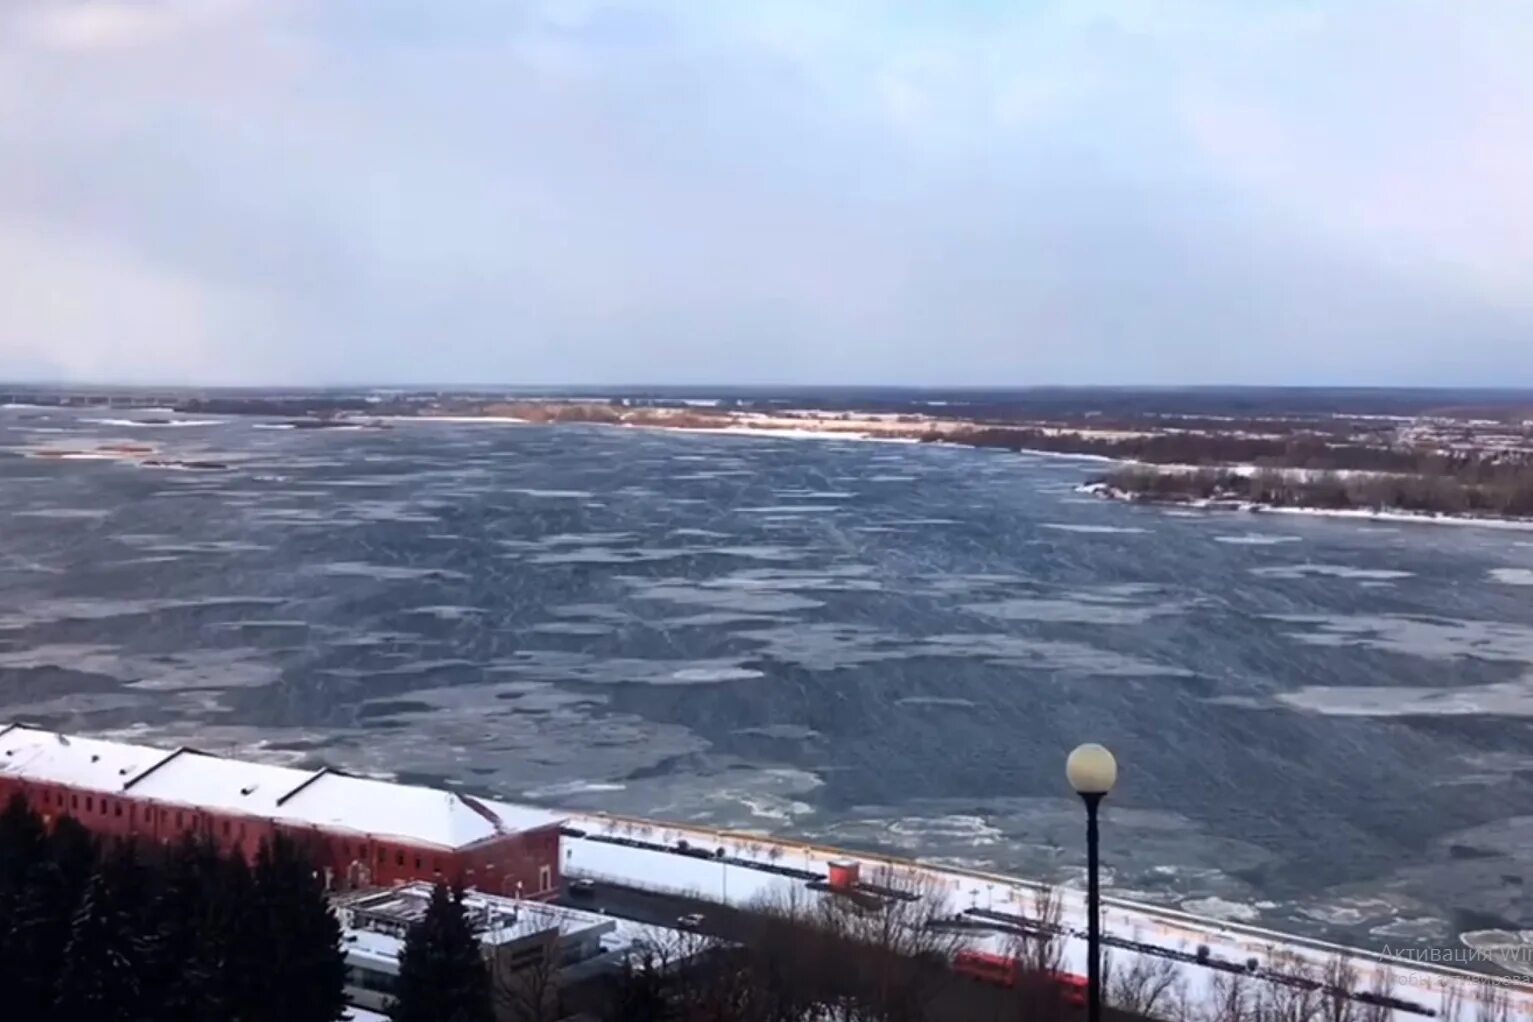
1453	1002
1376	1008
1041	948
528	990
1339	1003
1229	999
1293	993
881	953
1145	986
1495	1003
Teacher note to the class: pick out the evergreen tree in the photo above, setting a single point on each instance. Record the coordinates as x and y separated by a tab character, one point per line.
296	938
23	840
37	927
76	853
36	904
104	956
243	930
442	973
190	934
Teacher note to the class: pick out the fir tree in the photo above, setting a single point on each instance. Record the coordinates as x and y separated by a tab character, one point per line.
245	936
37	900
442	973
190	934
76	853
296	937
104	957
23	841
37	929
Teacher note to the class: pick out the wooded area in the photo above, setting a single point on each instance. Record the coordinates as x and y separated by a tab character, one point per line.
1506	492
131	933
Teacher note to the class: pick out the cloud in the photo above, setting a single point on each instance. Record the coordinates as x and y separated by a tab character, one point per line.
614	192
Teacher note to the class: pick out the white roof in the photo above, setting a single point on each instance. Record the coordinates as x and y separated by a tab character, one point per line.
226	785
500	920
377	807
326	799
82	762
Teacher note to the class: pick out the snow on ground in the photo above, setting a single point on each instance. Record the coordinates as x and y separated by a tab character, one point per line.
1356	514
960	890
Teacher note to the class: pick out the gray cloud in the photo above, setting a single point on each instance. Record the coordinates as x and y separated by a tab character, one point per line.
227	191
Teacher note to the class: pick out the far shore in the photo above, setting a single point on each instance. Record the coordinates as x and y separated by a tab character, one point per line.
1393	515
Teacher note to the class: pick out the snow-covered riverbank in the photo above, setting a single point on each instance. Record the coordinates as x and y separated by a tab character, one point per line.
1107	492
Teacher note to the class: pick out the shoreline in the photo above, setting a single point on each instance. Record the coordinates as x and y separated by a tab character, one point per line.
1393	516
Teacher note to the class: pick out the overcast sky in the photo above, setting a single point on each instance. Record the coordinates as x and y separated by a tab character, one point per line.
804	191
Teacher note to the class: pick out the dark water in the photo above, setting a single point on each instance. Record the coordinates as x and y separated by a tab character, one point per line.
1322	725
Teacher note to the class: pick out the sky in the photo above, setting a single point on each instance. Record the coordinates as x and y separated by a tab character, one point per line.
949	193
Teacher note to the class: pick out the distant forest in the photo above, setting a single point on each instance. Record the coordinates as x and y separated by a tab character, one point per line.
1213	449
1505	490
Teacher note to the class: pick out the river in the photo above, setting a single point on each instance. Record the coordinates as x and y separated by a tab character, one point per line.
1322	726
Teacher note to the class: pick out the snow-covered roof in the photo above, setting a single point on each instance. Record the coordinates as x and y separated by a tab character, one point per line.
367	948
355	1014
336	801
499	920
224	785
325	798
82	762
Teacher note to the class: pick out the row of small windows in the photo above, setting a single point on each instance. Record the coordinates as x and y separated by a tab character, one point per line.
115	808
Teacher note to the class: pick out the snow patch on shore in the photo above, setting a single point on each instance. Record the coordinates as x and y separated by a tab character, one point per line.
1106	492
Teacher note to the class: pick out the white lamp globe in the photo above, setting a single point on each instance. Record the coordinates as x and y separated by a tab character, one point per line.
1091	769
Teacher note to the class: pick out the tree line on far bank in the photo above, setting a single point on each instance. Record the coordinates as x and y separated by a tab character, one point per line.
1509	494
1313	452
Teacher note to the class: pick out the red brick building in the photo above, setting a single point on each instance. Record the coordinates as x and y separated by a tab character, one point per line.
361	832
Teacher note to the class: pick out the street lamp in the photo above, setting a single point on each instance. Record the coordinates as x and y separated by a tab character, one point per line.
1092	772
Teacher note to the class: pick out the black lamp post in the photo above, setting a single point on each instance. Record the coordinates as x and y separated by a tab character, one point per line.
1092	772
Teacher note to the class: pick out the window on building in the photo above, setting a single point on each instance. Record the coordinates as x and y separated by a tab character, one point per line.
178	818
117	809
74	801
90	804
399	858
380	856
436	865
227	828
418	862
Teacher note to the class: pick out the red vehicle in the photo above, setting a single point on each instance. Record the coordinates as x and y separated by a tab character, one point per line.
1003	971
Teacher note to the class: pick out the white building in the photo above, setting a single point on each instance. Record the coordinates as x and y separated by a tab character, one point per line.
515	936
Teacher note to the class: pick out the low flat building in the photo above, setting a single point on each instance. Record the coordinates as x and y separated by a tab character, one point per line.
359	831
516	936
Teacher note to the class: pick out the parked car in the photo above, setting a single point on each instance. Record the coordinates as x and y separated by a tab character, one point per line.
691	921
583	887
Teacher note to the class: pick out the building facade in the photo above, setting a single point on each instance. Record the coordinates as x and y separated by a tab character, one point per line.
515	937
359	831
